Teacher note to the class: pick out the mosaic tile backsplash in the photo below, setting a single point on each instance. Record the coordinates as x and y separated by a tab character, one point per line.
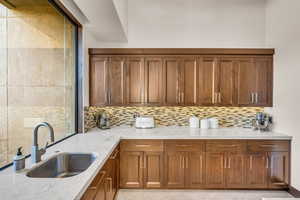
169	116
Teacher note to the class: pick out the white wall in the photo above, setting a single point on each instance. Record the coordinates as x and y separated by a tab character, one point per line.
194	23
283	33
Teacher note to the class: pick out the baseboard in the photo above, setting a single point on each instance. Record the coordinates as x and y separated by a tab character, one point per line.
293	191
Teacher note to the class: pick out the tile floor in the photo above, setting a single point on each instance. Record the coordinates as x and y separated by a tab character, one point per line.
199	194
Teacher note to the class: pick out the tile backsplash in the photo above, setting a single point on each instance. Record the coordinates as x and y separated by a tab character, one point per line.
169	116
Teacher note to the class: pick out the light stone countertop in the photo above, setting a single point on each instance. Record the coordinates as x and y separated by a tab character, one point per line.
19	187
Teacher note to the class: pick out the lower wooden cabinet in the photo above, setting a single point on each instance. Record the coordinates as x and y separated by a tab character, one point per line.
141	164
106	183
193	164
184	165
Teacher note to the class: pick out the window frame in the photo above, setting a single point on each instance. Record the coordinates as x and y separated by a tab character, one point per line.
78	74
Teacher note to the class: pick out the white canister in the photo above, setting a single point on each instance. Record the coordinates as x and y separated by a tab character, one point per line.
194	122
204	124
214	122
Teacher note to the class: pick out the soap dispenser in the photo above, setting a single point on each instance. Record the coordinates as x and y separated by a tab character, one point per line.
19	161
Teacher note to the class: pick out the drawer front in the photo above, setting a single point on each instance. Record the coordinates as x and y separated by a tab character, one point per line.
184	145
268	145
226	146
142	145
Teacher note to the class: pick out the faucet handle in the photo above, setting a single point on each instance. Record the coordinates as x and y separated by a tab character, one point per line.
43	150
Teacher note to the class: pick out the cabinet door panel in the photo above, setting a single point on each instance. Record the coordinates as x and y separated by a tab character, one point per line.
257	172
98	81
131	173
264	84
279	170
214	170
153	171
134	80
189	85
154	75
174	169
235	170
116	81
246	78
195	173
172	92
205	81
225	81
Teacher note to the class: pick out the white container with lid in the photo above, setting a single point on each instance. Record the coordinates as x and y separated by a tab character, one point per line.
204	124
194	122
213	122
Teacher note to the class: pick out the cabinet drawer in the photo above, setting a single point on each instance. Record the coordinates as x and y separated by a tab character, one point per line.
268	145
142	145
226	146
184	145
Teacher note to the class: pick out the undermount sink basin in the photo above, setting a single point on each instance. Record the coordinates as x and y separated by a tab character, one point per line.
62	165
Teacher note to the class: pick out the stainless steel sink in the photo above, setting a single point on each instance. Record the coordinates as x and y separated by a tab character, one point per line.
62	165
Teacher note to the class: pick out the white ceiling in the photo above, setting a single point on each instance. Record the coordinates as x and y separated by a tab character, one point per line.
105	19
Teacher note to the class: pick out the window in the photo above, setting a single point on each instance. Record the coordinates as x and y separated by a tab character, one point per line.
38	55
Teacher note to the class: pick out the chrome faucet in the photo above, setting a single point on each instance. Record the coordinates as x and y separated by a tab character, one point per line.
37	153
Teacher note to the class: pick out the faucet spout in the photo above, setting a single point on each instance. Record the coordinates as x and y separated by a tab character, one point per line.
35	152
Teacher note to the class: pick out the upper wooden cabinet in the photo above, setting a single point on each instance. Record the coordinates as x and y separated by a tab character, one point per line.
254	81
205	80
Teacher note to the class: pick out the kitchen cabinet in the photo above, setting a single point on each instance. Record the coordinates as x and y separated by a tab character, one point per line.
142	164
182	79
116	94
173	95
235	170
188	81
105	185
215	170
154	80
268	164
278	170
98	80
184	164
134	80
205	81
254	81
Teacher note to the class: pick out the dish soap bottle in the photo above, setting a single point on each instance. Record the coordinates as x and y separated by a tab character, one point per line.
19	161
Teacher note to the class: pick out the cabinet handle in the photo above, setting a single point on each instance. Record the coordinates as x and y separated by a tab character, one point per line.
252	97
216	97
229	159
256	97
143	145
225	163
267	164
183	145
181	162
145	163
251	162
186	162
219	97
182	96
141	163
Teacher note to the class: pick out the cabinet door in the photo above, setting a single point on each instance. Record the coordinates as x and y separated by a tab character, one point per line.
134	80
214	170
195	173
174	169
224	82
257	170
205	81
264	81
154	76
246	81
131	173
101	191
278	170
116	81
235	170
98	81
188	84
172	81
153	169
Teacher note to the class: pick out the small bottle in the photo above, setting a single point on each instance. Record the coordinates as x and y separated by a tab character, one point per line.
19	161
